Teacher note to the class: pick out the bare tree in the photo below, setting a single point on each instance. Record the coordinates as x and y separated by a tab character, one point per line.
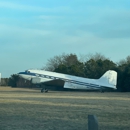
95	57
64	59
128	59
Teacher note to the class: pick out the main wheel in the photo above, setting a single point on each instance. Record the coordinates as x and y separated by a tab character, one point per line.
42	90
46	90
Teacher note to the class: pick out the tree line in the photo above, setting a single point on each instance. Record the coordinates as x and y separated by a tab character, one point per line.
87	66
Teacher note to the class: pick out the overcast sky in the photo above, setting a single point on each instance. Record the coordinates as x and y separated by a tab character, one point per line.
33	31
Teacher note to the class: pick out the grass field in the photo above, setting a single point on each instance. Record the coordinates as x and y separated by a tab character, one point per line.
28	109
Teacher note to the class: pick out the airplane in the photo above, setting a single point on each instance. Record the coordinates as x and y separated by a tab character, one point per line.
108	80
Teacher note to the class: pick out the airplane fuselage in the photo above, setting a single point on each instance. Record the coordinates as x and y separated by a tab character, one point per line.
72	82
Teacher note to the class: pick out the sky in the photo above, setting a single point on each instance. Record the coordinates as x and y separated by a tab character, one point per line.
33	31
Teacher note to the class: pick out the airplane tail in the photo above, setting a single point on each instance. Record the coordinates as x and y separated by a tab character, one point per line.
109	79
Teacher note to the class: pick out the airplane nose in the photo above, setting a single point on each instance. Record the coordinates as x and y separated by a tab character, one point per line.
24	75
21	74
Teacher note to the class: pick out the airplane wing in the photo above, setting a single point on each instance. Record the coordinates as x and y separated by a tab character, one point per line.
48	82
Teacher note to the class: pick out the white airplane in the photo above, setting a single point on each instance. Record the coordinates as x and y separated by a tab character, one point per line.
108	80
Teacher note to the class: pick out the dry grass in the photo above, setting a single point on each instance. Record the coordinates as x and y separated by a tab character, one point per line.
28	109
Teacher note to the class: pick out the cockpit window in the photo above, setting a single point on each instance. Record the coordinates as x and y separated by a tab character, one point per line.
27	71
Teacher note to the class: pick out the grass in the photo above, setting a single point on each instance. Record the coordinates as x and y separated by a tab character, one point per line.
28	109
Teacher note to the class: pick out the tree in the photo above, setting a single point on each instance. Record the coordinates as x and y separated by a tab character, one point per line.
95	57
74	69
13	80
4	82
64	59
91	66
96	68
123	83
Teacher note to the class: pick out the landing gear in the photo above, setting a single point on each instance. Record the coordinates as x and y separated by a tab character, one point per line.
44	90
101	90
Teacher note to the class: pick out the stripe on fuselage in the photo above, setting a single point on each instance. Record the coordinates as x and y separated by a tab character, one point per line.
88	85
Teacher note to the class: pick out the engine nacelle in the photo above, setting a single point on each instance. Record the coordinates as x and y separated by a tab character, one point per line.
36	80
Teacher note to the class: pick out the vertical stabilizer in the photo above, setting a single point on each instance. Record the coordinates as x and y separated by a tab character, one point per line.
109	79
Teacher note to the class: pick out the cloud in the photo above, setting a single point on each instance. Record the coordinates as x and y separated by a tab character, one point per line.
33	8
109	24
32	33
30	48
19	34
16	6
